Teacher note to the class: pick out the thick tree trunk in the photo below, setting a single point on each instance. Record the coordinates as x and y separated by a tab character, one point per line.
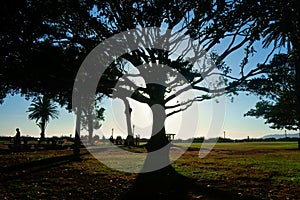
76	149
129	140
158	138
158	146
90	126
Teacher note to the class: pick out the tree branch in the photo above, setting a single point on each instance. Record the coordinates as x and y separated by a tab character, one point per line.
187	104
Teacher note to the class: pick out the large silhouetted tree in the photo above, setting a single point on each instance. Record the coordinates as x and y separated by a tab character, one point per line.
277	23
57	35
211	28
44	43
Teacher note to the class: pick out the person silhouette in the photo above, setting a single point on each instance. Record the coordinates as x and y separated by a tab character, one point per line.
18	137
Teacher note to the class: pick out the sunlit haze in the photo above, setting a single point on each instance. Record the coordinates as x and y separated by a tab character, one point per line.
13	114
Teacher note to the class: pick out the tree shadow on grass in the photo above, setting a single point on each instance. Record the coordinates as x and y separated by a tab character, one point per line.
23	169
167	183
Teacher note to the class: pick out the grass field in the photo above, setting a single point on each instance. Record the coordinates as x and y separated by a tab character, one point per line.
247	145
264	170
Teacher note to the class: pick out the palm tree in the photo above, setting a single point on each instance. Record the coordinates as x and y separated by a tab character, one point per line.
42	109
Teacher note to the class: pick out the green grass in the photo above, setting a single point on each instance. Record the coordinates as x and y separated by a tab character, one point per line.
267	170
247	145
272	162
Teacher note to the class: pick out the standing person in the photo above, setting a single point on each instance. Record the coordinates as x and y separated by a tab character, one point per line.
138	140
18	137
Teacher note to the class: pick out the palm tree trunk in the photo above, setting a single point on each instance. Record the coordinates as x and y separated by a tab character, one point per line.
43	127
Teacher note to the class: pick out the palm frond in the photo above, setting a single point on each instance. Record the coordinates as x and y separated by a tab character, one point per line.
42	109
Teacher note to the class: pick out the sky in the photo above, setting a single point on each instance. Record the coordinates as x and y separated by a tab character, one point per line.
201	119
13	115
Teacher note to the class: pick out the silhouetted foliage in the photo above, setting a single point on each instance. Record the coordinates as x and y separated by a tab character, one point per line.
276	87
92	118
44	42
41	110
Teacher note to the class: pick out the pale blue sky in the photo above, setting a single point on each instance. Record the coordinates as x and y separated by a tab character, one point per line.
13	114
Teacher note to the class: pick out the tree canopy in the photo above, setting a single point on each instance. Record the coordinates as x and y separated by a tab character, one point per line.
55	36
45	42
279	26
277	89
